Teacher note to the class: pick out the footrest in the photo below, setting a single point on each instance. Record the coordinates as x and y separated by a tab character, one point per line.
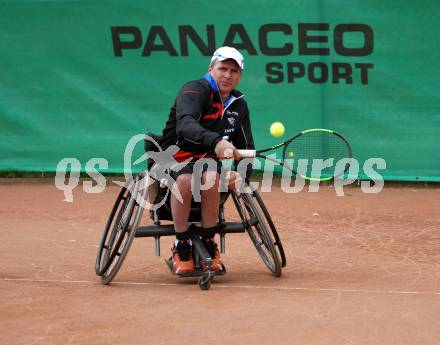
195	273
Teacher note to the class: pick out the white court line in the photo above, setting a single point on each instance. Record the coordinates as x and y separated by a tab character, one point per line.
249	287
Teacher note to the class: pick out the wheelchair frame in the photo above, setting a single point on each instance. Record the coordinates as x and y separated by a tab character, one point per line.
123	226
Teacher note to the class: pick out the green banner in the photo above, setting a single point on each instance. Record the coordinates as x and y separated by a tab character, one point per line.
80	78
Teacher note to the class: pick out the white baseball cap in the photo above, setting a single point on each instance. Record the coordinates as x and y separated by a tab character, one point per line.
224	53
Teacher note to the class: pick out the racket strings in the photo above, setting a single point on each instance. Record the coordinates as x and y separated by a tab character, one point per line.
312	148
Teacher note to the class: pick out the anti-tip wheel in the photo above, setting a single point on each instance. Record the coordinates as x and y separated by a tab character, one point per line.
205	283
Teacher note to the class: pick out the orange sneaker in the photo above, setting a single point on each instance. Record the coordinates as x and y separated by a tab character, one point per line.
182	258
214	253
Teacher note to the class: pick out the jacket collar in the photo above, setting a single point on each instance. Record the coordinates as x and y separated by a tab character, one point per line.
214	86
212	82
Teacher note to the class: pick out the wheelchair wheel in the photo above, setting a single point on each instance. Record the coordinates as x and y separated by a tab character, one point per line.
276	238
256	227
119	233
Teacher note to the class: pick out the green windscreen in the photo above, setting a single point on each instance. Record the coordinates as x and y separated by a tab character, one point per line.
80	78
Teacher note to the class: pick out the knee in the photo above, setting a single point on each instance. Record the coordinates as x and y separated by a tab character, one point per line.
183	182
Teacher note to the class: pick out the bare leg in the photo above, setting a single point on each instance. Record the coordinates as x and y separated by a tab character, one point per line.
180	211
210	209
210	199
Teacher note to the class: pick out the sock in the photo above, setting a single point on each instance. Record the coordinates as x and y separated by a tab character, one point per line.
182	235
209	233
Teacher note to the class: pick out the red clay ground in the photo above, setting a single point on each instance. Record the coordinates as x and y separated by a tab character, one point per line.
362	269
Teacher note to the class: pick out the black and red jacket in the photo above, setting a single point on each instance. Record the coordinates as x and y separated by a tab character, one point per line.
198	120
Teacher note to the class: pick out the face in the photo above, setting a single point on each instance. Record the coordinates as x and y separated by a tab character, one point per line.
227	75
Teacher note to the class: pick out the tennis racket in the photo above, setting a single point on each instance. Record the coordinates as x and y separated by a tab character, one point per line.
314	154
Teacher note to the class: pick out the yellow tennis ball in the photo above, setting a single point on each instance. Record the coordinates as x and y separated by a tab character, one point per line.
291	154
277	129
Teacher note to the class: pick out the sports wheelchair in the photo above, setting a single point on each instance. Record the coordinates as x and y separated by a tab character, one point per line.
146	189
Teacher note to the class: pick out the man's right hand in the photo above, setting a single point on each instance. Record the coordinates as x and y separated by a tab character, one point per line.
225	150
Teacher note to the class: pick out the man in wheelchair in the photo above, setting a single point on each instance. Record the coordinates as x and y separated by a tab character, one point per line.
209	119
209	122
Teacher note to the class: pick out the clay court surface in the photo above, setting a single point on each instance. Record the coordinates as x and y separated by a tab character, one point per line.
361	269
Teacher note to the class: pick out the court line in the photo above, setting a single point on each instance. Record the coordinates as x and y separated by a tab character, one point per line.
216	285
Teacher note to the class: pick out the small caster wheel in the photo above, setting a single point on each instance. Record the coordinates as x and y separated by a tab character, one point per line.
205	283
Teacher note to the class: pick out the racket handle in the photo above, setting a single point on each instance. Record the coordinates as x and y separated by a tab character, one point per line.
247	153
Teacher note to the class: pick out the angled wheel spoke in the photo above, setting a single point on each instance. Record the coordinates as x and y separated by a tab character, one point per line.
119	232
258	231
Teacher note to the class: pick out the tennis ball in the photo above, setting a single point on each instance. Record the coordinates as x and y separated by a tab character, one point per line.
277	129
291	154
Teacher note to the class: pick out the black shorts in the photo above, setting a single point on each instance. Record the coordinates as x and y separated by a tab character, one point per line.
201	165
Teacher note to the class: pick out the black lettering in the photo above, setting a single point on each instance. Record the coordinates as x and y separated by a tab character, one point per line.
246	43
295	70
342	71
287	49
364	71
368	44
118	44
274	72
187	31
150	46
304	38
323	72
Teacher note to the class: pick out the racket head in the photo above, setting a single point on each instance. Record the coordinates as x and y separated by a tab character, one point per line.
318	154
